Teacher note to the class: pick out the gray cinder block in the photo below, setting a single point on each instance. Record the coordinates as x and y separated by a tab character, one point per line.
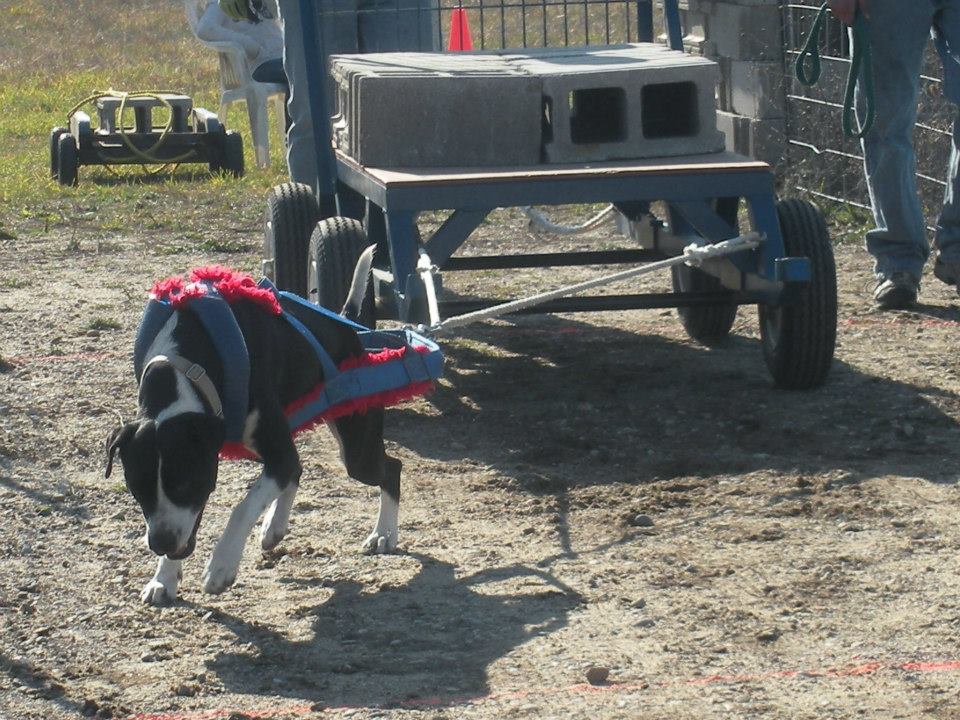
761	139
526	107
745	32
753	88
434	110
624	102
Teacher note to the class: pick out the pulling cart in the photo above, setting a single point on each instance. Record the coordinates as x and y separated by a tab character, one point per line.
783	263
190	135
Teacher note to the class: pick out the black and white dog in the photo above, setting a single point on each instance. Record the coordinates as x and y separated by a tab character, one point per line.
170	451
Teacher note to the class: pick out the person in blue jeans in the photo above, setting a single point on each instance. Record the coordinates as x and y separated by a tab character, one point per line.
899	31
346	26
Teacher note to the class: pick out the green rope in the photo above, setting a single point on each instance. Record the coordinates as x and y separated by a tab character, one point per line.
861	66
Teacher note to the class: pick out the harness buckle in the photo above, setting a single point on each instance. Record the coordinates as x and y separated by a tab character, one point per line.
195	372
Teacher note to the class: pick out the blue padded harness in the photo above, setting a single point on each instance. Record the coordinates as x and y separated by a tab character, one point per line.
218	320
422	362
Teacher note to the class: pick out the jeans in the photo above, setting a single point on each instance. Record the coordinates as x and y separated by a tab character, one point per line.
899	31
346	26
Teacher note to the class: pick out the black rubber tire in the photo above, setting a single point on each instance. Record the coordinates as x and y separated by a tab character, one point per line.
55	136
709	325
68	161
227	153
292	214
335	246
232	154
799	339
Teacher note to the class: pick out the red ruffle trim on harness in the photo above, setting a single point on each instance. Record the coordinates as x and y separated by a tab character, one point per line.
236	450
231	285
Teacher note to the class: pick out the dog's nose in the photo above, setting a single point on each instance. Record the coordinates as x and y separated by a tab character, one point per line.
162	542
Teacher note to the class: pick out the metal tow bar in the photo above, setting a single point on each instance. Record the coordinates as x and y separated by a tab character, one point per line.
693	255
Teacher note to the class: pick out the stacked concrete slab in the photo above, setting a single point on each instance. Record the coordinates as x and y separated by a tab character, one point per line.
524	108
435	110
624	102
745	38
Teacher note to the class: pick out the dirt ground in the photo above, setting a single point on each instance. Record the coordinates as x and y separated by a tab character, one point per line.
581	491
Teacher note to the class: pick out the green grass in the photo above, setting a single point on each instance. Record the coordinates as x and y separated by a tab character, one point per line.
847	223
54	54
103	324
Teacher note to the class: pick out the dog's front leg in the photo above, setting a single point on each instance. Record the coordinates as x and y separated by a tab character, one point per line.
221	570
162	589
277	519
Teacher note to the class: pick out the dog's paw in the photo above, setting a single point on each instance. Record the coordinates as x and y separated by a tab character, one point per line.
217	577
156	593
379	544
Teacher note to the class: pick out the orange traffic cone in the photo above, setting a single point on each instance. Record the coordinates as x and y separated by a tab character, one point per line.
459	31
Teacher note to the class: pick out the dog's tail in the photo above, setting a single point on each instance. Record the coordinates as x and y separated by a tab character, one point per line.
358	287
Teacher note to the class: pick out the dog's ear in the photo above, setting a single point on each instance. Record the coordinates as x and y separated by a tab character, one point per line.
117	438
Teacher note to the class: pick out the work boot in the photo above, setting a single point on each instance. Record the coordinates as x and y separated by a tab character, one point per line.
948	272
898	291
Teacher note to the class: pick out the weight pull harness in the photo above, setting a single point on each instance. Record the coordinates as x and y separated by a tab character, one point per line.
396	365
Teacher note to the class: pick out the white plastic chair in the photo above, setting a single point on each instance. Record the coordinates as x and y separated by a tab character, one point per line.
236	81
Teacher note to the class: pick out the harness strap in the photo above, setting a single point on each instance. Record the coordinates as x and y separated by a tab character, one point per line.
329	367
196	375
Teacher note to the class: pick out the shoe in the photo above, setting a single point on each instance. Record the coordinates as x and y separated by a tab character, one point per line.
948	272
896	292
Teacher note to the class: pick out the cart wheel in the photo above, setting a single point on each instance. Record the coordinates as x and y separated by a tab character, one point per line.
228	157
291	216
335	247
708	324
55	135
798	339
67	160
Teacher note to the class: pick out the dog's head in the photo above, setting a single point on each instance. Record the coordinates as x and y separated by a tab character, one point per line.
171	469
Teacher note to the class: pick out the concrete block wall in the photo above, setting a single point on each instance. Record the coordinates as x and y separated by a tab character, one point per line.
745	38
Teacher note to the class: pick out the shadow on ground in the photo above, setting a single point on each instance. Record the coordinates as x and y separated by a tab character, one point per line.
557	403
436	635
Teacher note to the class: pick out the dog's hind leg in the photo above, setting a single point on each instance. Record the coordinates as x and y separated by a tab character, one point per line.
385	533
162	589
281	469
366	460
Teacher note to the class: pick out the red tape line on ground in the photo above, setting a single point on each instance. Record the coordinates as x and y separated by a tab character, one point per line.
861	670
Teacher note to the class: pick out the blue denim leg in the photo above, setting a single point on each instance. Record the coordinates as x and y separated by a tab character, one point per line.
947	36
301	149
899	32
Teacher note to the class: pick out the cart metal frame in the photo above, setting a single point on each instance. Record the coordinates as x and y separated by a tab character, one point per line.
694	189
